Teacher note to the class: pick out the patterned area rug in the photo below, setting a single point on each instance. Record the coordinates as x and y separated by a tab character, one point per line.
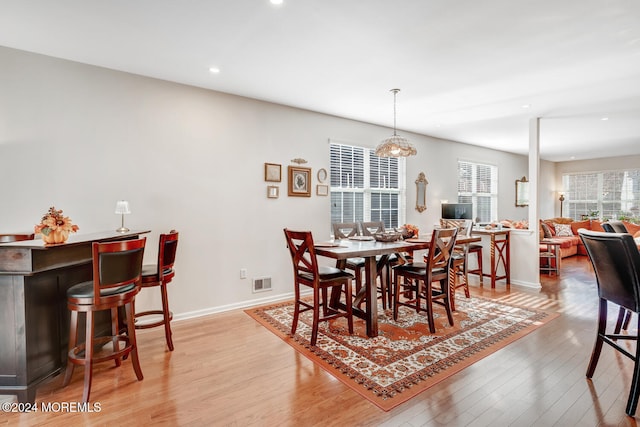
405	359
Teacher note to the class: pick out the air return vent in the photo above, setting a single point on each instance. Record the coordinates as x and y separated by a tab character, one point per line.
262	284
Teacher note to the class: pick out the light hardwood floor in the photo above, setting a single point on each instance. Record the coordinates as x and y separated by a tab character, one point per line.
227	370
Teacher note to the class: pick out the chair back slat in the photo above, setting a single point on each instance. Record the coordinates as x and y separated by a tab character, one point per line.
344	230
442	242
614	227
116	264
372	227
167	247
464	226
303	253
616	263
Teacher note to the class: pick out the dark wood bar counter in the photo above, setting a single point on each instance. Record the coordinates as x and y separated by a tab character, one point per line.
34	319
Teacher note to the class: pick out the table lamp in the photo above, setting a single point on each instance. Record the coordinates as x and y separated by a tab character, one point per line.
122	208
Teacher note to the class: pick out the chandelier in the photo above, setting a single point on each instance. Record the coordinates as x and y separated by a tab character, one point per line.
395	146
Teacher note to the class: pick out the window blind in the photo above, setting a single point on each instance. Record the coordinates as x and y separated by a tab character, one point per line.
478	184
365	187
605	194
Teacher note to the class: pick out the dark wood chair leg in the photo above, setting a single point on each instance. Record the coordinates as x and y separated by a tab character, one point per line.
389	285
453	279
349	305
632	402
627	319
621	318
597	348
167	316
296	310
396	295
114	333
132	340
429	305
316	316
447	303
73	337
88	357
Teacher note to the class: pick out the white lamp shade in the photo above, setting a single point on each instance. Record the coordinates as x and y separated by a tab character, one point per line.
122	207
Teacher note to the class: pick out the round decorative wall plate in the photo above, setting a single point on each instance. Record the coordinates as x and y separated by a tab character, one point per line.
322	175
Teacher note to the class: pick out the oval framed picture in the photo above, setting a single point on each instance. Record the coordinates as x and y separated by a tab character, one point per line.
322	175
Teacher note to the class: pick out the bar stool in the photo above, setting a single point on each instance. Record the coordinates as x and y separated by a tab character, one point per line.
153	276
117	270
475	248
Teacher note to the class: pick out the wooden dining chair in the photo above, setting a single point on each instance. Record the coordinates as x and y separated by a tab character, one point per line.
616	264
344	230
307	272
160	275
614	227
384	263
624	315
418	278
459	259
117	271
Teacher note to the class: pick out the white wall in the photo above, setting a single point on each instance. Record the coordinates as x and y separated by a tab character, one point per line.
81	137
593	165
548	204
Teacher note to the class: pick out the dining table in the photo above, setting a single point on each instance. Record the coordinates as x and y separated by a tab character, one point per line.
368	248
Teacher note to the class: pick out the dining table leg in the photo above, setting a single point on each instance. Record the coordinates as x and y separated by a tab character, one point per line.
371	303
368	292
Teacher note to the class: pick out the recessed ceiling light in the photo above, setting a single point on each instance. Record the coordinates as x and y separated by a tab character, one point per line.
214	70
526	106
604	119
276	2
572	158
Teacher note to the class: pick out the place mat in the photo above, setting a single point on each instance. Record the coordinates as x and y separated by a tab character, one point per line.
417	240
326	244
405	359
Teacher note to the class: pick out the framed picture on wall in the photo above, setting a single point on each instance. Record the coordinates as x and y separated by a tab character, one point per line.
273	191
272	172
299	181
322	190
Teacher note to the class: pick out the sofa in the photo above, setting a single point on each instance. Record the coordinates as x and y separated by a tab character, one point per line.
565	230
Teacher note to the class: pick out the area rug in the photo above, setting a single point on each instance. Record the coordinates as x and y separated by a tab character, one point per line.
405	359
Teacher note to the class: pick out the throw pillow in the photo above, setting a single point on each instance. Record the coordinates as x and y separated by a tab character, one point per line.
563	230
631	227
552	227
546	231
577	225
597	226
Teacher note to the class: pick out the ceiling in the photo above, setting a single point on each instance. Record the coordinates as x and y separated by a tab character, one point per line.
466	68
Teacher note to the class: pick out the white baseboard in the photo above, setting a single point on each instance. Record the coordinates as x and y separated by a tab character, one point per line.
530	285
235	306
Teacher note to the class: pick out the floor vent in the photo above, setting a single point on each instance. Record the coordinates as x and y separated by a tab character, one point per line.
262	284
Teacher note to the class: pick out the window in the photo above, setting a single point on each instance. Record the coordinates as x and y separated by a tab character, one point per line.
365	187
606	194
478	184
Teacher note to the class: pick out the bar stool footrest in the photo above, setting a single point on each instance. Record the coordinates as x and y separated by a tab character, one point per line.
151	324
76	354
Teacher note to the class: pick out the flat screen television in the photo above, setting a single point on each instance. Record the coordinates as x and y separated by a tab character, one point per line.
457	210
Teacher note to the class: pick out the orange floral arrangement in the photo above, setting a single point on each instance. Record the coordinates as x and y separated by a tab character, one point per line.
412	230
54	222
